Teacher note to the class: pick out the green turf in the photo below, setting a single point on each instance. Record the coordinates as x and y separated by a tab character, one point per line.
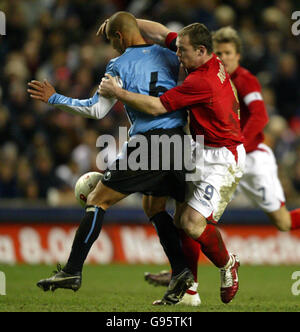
121	288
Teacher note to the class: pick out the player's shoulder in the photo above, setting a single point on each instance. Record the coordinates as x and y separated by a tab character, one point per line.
245	80
244	74
112	63
164	51
146	50
164	57
206	74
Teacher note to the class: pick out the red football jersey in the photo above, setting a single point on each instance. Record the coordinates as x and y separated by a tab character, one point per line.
254	116
209	95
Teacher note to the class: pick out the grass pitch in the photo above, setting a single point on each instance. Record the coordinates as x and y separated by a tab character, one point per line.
121	288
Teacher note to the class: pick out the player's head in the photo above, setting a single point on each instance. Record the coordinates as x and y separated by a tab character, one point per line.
194	44
122	30
227	46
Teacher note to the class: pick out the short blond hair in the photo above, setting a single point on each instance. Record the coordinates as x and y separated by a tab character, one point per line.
228	35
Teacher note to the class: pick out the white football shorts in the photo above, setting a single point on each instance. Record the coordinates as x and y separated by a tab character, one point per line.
260	181
219	175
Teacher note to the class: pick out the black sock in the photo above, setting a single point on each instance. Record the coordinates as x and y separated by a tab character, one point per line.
86	234
170	240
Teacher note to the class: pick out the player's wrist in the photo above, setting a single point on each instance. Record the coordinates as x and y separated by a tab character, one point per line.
52	98
119	93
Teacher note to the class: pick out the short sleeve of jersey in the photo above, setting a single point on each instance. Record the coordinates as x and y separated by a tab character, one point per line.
111	68
193	90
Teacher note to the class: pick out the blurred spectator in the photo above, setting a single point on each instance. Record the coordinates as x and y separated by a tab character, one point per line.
8	182
44	173
203	11
286	85
225	15
83	152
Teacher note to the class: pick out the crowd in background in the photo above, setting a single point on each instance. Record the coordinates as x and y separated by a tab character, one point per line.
43	150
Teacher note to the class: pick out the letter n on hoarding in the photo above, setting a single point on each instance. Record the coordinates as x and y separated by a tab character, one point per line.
2	24
2	283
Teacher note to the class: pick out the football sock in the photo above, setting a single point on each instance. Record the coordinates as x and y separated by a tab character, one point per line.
191	250
86	234
170	241
213	246
295	219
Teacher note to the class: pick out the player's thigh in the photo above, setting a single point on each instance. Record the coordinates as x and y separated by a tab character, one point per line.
104	196
153	205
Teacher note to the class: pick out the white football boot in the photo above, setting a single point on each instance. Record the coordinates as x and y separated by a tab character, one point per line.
191	297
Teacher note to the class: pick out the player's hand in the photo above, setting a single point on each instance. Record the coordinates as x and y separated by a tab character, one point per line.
108	87
102	29
40	90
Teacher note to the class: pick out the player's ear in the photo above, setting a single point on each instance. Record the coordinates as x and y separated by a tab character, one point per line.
201	50
118	34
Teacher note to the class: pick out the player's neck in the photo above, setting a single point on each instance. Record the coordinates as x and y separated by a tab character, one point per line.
205	59
233	69
134	41
200	62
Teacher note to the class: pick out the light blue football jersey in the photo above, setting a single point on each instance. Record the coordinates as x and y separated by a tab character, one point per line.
145	69
149	70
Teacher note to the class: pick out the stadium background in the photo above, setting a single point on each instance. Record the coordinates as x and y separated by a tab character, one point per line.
43	151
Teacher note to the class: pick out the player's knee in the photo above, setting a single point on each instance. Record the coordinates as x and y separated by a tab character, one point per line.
281	219
93	198
97	198
151	211
153	206
283	225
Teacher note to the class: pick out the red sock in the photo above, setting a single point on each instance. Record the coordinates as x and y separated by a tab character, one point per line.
191	250
295	219
213	246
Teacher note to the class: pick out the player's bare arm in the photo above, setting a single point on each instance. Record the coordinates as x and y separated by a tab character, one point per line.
41	90
95	107
153	31
109	88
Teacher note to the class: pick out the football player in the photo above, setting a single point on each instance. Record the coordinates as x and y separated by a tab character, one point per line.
260	181
148	69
